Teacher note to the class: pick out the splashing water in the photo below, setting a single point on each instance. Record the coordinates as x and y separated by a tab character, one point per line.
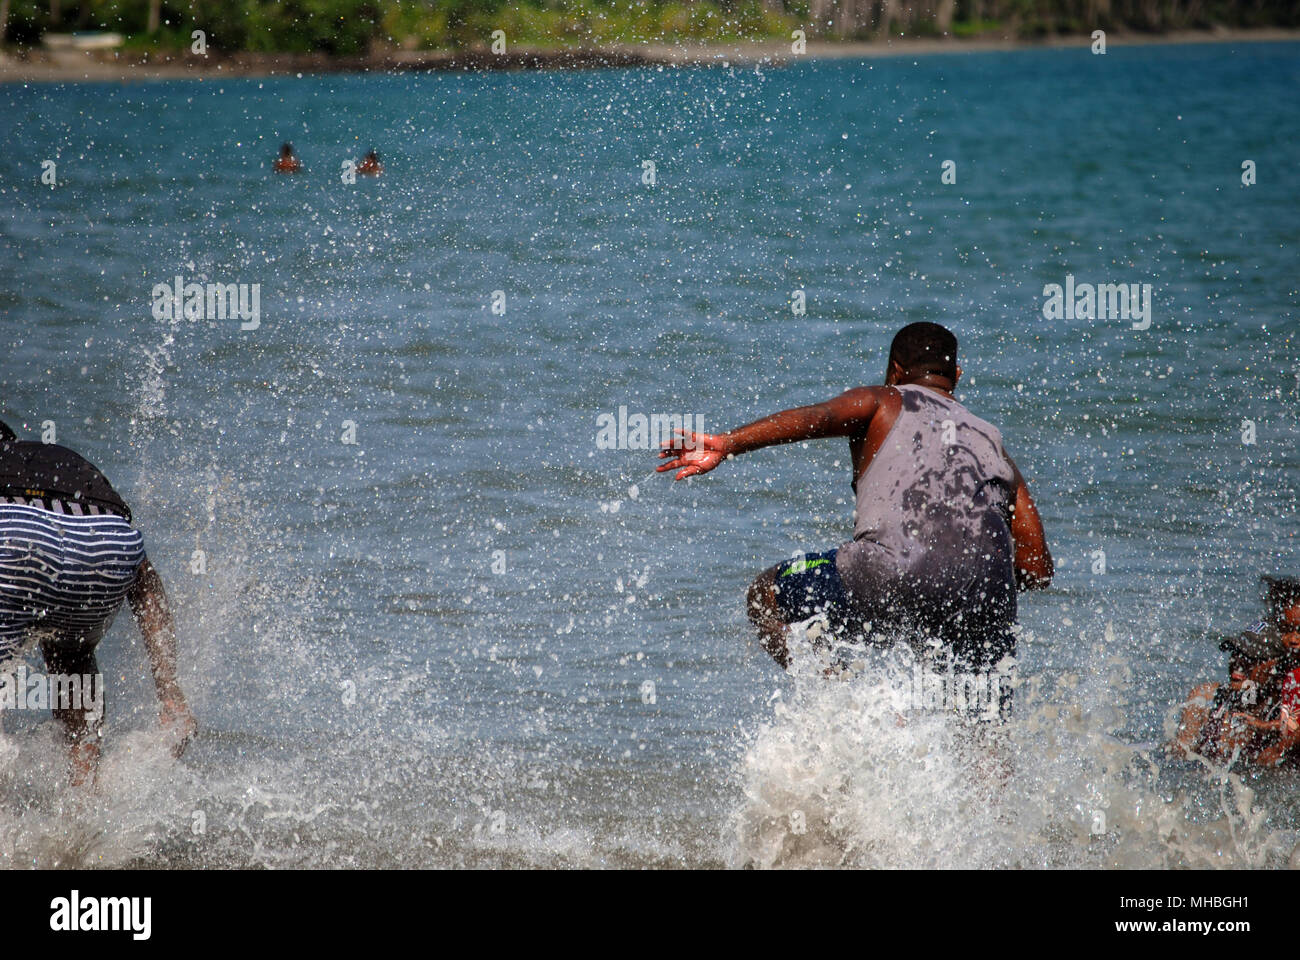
841	778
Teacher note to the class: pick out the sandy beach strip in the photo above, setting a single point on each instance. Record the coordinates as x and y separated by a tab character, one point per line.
40	65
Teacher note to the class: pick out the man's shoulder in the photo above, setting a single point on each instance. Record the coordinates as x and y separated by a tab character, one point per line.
986	427
877	393
865	389
864	395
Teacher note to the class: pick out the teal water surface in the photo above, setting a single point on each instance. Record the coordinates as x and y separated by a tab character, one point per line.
432	646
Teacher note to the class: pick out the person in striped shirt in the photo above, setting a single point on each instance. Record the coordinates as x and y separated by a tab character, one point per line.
69	557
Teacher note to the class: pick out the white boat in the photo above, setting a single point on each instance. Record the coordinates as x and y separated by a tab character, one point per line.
91	40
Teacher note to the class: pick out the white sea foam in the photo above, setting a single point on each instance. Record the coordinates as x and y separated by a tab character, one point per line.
840	778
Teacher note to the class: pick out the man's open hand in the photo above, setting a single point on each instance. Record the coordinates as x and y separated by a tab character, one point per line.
691	453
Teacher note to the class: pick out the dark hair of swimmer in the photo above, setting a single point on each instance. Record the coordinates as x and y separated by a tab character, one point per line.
925	348
286	149
1281	592
372	155
6	433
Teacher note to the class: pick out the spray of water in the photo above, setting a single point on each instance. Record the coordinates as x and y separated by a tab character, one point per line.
840	777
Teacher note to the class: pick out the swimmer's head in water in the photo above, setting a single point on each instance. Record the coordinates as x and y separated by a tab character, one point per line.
920	350
286	149
1283	596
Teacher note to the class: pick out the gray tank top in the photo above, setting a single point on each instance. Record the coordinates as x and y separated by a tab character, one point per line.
937	496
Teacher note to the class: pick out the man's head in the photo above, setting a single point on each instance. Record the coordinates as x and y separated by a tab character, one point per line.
6	434
923	351
1283	596
286	149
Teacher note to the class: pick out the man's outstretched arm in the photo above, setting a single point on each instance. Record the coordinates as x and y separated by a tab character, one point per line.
148	602
843	416
1034	567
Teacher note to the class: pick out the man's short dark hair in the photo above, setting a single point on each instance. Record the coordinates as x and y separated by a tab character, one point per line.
921	348
1281	592
6	434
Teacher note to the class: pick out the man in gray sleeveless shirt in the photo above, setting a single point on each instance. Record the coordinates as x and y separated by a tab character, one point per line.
945	529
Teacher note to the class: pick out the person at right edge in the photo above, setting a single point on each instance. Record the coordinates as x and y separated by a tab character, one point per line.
945	529
69	556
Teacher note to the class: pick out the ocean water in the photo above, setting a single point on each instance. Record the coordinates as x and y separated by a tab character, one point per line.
434	646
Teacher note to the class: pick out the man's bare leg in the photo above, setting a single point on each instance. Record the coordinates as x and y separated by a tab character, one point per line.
81	728
766	617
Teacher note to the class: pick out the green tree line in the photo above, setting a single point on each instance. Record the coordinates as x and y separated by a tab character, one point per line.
353	27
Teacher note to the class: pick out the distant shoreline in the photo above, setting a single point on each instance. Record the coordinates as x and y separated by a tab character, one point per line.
41	65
